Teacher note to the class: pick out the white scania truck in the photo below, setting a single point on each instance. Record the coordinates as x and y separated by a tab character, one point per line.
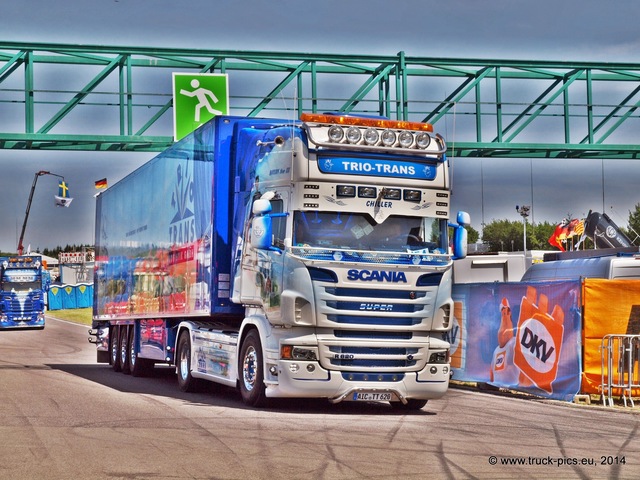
308	259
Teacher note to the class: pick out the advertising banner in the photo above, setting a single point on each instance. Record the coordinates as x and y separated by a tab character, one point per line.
525	337
610	307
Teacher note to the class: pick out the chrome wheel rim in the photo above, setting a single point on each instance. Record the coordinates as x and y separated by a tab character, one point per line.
123	351
114	350
184	363
249	368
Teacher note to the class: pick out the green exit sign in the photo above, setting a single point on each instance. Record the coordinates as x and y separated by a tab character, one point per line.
197	98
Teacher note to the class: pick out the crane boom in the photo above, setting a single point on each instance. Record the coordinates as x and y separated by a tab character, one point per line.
26	215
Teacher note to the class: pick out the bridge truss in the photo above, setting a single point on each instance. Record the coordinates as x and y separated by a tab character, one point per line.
107	98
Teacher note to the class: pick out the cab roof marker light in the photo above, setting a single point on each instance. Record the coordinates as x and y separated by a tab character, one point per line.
365	122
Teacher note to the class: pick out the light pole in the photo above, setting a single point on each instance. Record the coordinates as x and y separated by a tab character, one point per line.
524	212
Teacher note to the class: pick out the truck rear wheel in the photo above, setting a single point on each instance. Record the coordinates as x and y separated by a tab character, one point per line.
186	382
252	386
140	367
124	350
114	347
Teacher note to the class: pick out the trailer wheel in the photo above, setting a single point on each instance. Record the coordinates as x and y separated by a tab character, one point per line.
114	348
186	382
125	366
139	367
252	386
412	404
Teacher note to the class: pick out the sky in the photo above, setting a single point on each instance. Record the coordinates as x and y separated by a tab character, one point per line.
578	30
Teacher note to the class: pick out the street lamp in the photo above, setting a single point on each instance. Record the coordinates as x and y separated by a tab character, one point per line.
524	212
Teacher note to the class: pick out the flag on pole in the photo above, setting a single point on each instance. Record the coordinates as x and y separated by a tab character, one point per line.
565	230
63	199
100	184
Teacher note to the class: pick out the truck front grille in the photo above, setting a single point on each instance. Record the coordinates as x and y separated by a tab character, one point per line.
375	307
375	331
23	305
372	355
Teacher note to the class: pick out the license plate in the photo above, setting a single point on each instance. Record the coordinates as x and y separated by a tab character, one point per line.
371	396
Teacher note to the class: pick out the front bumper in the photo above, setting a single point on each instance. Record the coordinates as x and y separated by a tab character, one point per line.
307	379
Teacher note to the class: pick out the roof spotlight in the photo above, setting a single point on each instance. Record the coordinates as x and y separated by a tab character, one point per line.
388	137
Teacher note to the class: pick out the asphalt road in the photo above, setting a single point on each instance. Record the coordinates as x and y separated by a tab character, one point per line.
64	417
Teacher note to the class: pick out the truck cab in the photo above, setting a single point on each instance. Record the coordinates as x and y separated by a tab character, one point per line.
348	256
22	299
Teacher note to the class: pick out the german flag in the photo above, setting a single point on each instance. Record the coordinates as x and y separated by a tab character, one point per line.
100	184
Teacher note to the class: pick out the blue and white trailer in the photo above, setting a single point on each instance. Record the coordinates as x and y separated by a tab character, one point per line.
308	259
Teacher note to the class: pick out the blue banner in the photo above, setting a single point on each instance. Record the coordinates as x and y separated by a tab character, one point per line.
524	337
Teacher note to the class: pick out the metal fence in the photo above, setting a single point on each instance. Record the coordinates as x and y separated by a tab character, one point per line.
620	372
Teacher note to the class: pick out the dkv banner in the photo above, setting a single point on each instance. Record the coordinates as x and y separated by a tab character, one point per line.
524	337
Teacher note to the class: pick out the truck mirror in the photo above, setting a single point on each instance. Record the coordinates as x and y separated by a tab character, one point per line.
261	232
261	206
464	219
459	242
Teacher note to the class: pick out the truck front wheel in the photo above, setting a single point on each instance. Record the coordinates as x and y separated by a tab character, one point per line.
252	386
186	382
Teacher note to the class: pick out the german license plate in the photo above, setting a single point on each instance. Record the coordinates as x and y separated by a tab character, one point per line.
371	396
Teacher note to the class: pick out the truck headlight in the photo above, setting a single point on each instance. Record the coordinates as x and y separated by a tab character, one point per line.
441	356
290	352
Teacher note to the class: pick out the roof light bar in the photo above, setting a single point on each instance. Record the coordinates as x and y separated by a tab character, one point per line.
365	122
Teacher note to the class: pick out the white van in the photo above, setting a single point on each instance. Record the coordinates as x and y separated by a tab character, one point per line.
503	267
609	267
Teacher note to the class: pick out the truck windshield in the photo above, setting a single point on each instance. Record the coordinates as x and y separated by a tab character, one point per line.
20	281
359	231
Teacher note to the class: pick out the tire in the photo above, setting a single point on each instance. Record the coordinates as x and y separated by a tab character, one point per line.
251	370
140	367
411	405
125	366
186	382
114	348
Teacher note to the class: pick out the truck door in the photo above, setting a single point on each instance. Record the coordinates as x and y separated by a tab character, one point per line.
273	261
266	266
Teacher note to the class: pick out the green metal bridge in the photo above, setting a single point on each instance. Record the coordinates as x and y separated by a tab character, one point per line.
108	98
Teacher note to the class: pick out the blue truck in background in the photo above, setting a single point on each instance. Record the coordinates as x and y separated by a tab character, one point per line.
22	292
305	258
